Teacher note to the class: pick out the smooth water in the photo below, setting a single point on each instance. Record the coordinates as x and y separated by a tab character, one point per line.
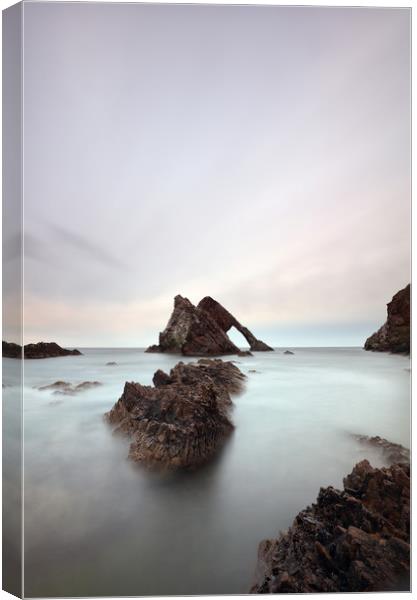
97	525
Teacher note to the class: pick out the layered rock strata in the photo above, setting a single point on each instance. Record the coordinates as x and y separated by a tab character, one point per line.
202	330
355	540
183	419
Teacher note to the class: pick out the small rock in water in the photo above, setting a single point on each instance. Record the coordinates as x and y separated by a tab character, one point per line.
288	352
69	389
111	364
244	353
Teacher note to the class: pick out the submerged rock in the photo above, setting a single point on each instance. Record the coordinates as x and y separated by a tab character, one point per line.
182	420
69	389
356	540
202	330
288	352
39	350
394	335
111	364
393	453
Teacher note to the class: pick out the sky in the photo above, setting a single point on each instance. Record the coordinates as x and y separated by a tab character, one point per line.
260	155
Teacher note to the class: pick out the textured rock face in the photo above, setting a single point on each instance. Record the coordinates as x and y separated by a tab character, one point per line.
181	421
39	350
394	335
355	540
202	330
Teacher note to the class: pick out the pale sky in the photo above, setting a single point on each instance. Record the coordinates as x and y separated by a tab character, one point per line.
260	155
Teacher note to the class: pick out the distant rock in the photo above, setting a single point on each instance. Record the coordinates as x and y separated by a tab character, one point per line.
244	353
182	420
39	350
394	335
288	352
69	389
202	330
11	350
111	364
356	540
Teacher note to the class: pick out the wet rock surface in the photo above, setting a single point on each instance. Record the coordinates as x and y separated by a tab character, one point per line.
39	350
69	389
355	540
202	330
183	419
391	452
394	335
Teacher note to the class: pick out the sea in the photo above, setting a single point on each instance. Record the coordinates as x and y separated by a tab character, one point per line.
96	524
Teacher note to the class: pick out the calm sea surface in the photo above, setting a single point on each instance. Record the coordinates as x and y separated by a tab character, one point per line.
97	525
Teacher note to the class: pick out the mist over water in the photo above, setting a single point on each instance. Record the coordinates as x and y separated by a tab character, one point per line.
95	524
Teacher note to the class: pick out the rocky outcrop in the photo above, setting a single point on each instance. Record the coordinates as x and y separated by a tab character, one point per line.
202	330
39	350
68	389
391	452
394	335
11	350
355	540
183	419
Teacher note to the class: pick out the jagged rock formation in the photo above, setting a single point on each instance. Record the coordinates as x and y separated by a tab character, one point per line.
394	335
68	389
356	540
391	452
182	420
39	350
202	330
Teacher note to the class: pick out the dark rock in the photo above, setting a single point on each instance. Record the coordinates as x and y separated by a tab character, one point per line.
356	540
394	335
111	364
201	330
69	389
226	321
393	453
244	353
182	420
288	352
39	350
11	350
153	348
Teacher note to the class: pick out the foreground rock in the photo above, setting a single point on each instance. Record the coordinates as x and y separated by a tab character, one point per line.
183	419
69	389
356	540
394	335
202	330
39	350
